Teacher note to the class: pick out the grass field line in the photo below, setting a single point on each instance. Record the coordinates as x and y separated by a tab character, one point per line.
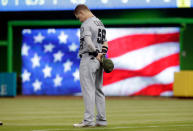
39	124
112	128
40	112
26	117
71	123
39	117
120	113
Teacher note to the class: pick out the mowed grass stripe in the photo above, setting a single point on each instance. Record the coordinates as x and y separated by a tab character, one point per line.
114	128
27	114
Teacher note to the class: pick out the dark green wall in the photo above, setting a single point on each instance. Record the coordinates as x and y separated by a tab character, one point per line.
17	61
186	55
3	60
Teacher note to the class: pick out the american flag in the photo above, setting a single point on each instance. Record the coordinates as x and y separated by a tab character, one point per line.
145	61
50	62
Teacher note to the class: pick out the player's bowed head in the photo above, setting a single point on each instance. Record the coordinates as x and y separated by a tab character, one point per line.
82	12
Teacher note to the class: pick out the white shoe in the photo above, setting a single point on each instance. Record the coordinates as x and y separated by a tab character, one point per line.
82	125
1	123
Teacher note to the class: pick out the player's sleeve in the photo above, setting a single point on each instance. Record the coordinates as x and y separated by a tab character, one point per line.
86	31
90	43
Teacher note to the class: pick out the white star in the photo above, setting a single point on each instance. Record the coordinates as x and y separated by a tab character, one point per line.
47	71
55	2
104	1
73	1
147	1
26	76
76	75
35	61
38	38
58	81
124	1
25	49
167	1
77	1
37	85
58	56
48	48
26	31
67	65
51	31
73	47
62	38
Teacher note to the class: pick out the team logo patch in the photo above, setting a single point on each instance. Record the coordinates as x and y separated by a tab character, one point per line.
82	29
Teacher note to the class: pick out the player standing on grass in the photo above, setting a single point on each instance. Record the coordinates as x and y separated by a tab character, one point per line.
93	45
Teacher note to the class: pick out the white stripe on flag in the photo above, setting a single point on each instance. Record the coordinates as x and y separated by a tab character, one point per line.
167	93
114	34
132	85
140	58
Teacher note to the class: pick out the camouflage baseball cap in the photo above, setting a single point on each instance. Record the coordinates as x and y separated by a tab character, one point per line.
107	64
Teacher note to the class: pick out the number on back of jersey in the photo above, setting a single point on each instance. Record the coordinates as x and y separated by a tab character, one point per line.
101	36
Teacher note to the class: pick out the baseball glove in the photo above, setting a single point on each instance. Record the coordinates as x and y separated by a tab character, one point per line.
107	64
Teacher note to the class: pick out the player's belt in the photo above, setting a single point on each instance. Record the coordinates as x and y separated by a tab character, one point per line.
86	53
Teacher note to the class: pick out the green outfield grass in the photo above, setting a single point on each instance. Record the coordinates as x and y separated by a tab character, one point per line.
59	113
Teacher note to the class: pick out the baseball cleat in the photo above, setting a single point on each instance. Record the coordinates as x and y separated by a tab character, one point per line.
82	125
1	123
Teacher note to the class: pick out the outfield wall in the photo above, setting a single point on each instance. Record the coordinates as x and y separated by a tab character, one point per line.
13	23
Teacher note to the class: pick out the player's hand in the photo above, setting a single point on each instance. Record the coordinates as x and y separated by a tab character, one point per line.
99	56
104	54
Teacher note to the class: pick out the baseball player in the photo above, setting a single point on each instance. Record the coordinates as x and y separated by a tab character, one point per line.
93	45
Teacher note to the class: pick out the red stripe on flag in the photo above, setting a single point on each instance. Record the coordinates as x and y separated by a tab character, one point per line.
150	70
125	44
154	90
